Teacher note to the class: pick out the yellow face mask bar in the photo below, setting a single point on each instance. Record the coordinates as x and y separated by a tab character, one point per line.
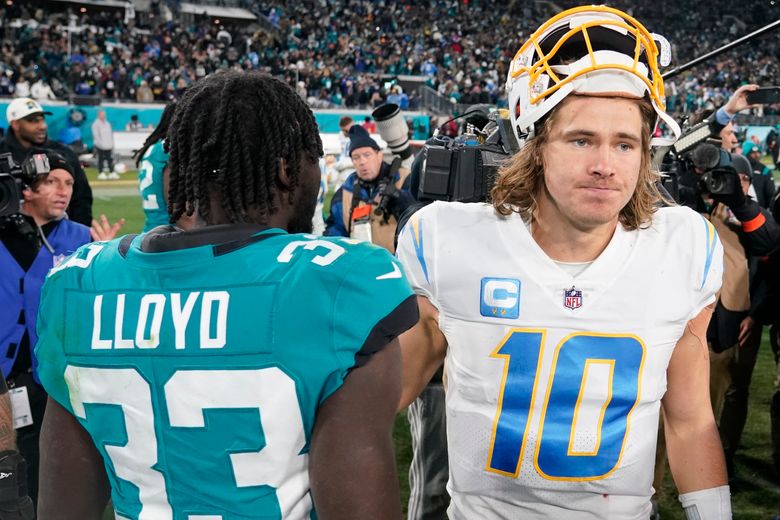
644	42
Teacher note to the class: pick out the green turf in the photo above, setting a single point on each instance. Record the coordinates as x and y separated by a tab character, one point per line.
755	494
119	206
92	173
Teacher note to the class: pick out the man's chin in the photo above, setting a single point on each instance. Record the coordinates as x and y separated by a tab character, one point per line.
367	177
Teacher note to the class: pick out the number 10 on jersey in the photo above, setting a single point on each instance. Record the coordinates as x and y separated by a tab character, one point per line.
585	417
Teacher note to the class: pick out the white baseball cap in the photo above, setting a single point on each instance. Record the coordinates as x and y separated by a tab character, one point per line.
20	108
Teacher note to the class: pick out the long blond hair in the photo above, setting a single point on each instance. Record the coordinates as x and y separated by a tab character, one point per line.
520	181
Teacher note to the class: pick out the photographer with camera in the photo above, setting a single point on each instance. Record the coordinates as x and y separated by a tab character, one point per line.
368	204
733	368
719	186
28	130
33	239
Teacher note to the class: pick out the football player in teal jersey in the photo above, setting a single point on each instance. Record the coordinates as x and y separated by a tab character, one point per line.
235	370
152	163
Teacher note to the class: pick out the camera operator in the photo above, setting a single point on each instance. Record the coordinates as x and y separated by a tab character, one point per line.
722	194
28	130
368	204
760	236
721	124
31	244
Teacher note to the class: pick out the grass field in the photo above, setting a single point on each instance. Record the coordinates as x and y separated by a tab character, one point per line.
755	494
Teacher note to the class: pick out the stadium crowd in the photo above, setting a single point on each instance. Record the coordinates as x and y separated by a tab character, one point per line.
341	54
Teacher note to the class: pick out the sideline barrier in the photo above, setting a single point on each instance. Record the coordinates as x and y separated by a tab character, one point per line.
68	122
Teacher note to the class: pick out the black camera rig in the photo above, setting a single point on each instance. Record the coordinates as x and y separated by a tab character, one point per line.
465	168
16	177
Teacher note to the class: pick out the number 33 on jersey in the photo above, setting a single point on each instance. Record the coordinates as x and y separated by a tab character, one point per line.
198	371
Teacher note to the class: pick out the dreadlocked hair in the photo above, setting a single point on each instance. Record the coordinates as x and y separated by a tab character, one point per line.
158	133
228	134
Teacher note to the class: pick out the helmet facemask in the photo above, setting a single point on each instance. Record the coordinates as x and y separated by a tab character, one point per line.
594	50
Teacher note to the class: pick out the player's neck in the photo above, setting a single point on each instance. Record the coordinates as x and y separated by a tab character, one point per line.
563	242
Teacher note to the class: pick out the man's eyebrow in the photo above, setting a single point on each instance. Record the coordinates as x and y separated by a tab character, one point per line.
582	132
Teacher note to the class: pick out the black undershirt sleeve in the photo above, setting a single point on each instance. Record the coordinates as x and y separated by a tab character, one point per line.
401	319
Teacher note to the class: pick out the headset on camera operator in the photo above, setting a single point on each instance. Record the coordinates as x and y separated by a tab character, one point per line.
368	204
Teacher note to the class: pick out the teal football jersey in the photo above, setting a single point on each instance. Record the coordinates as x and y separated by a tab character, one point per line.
198	372
150	184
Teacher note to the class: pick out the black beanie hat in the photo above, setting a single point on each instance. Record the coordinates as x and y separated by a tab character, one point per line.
741	164
58	162
359	138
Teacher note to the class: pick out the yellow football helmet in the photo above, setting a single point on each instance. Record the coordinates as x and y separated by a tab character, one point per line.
592	50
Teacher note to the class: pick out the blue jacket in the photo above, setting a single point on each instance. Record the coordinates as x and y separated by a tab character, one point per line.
20	292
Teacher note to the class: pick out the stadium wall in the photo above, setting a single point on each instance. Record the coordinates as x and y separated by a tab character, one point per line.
68	123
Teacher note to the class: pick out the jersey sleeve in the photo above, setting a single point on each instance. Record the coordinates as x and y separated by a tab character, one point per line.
707	268
49	350
415	252
374	305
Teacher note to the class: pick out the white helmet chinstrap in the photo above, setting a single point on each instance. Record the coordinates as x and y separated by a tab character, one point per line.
589	50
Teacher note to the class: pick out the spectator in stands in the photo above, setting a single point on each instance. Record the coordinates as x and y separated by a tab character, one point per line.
395	95
22	88
103	140
84	88
134	125
41	90
369	125
144	93
27	130
449	43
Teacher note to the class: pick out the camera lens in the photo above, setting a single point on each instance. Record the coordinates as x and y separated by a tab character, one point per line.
9	196
716	183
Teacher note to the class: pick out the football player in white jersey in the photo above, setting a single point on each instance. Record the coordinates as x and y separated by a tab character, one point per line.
575	306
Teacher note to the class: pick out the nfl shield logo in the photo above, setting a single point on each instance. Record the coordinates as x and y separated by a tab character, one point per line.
572	298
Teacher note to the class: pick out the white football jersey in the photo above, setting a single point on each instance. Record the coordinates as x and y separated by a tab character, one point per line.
554	380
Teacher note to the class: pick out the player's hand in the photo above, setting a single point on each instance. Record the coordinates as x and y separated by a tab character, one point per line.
744	330
738	100
102	231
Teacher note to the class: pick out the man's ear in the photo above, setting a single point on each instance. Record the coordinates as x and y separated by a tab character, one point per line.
27	193
283	176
